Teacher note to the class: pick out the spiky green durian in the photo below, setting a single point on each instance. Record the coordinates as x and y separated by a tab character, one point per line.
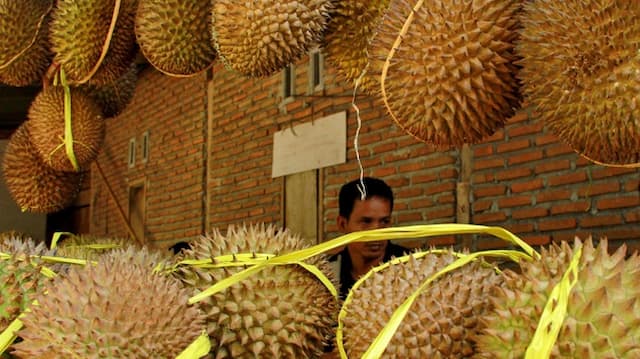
580	68
441	322
78	33
452	78
115	308
34	186
47	128
603	311
24	42
90	247
280	312
259	38
175	36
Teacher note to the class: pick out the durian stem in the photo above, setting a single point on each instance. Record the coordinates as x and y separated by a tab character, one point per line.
132	233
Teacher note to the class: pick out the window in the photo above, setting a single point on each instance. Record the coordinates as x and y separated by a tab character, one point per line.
132	153
316	71
145	146
137	210
288	82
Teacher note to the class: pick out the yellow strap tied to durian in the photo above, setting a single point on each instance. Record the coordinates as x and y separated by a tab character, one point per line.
56	237
10	334
68	132
378	346
554	312
199	348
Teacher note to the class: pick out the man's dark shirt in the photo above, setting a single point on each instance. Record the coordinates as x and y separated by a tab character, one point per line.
346	280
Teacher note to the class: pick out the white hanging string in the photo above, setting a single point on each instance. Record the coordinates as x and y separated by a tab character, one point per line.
361	187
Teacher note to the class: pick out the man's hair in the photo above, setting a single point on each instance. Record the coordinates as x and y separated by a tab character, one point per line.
350	192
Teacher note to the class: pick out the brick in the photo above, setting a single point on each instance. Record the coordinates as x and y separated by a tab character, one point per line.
632	186
409	217
595	189
480	164
557	150
546	139
556	224
527	129
527	186
537	240
514	173
571	207
529	213
525	157
512	145
489	217
599	221
633	216
481	205
618	202
552	165
514	201
489	191
482	150
604	172
440	188
519	227
441	212
569	178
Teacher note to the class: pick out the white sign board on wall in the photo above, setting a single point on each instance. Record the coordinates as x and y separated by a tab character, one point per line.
311	145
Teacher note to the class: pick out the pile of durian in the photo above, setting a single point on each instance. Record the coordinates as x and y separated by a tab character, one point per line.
133	302
449	72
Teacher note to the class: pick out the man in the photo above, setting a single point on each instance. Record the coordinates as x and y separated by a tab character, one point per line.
357	214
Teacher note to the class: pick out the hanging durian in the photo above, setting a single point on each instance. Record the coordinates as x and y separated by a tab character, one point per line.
580	67
259	38
280	312
79	31
113	97
441	322
346	42
113	309
34	186
452	78
47	128
175	36
24	43
603	311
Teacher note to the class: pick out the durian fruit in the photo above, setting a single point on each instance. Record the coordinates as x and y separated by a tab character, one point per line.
279	312
90	247
352	26
78	33
452	78
47	128
24	44
23	244
261	37
113	309
441	322
603	311
114	96
175	36
20	282
34	186
580	69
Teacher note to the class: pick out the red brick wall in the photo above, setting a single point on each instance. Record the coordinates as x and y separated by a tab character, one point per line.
523	178
174	112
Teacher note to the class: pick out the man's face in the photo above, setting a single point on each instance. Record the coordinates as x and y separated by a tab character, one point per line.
372	213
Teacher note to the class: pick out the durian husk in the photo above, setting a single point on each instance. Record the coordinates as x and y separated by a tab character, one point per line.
91	247
175	36
116	308
25	53
79	32
262	37
352	26
20	282
280	312
47	128
22	244
580	69
114	96
441	322
452	79
603	311
33	185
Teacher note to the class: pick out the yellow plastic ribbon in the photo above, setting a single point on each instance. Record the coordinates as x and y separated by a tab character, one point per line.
68	132
554	312
10	334
56	237
383	338
406	232
199	348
